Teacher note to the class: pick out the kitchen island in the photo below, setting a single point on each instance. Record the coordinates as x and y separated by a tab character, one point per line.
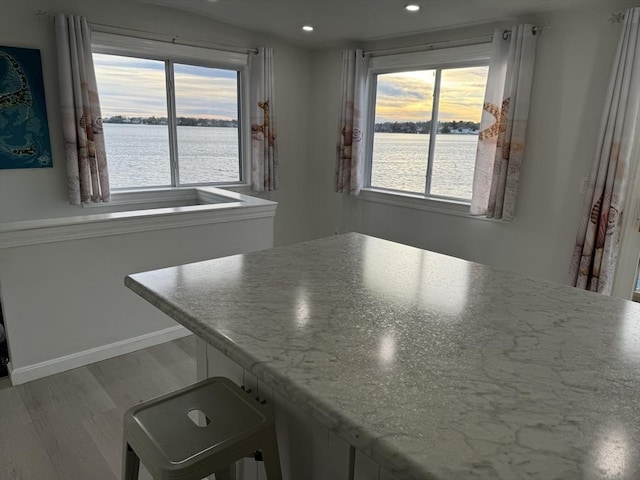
432	366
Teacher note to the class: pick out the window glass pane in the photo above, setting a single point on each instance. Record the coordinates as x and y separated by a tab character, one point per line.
207	119
459	113
134	109
401	133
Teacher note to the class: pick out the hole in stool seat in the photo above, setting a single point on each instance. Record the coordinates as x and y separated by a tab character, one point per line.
198	417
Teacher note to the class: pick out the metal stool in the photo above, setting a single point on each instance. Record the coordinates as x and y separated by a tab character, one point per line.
231	425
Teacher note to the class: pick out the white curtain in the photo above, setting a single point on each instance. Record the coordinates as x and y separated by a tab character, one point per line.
504	122
598	240
264	151
87	175
350	161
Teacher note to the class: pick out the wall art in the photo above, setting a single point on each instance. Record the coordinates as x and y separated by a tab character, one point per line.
24	131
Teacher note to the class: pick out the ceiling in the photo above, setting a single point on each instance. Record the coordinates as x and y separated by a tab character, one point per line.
337	22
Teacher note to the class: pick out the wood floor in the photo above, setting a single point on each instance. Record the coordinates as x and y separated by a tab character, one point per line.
69	426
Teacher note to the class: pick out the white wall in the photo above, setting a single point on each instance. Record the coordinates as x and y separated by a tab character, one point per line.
66	304
573	65
59	310
41	193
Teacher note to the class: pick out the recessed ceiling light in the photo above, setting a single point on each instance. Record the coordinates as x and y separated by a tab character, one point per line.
307	28
412	7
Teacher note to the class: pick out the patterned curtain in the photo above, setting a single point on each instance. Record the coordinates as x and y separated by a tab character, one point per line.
351	145
504	122
598	240
87	175
264	151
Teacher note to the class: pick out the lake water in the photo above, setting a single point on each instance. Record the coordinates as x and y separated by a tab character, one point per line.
400	163
139	156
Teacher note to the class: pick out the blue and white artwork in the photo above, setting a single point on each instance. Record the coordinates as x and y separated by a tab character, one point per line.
24	132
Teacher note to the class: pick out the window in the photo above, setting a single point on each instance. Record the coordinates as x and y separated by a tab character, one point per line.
172	114
426	109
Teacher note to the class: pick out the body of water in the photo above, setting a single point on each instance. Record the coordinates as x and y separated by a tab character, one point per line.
400	163
139	157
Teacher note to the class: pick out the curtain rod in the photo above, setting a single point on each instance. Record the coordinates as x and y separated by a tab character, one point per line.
431	46
462	42
175	39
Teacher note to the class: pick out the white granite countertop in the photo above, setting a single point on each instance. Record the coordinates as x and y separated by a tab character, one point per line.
436	367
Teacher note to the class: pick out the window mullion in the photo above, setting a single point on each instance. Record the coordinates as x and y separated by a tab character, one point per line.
242	154
371	119
434	131
172	124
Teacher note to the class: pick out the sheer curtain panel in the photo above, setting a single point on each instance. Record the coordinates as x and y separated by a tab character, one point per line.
504	123
350	161
264	150
87	175
598	241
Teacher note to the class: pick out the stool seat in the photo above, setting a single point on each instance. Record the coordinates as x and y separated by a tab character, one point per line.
228	425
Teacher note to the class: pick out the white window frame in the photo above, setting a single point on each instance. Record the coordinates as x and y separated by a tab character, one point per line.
170	53
444	58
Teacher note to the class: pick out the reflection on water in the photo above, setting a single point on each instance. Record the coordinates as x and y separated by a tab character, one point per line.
139	154
400	163
415	276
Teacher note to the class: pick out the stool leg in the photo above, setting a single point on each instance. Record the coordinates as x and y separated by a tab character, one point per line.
271	456
130	464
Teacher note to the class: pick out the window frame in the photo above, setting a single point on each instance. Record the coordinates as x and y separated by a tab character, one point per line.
170	54
440	59
635	294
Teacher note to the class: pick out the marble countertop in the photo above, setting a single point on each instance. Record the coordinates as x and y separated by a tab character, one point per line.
436	367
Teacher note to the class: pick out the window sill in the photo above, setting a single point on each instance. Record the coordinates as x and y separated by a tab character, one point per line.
189	207
172	196
420	202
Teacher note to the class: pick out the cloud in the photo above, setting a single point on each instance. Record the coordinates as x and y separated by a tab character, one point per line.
404	96
111	61
137	87
462	93
389	89
214	98
204	72
408	96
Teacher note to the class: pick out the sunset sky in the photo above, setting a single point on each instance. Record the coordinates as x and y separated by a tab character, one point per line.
136	88
408	96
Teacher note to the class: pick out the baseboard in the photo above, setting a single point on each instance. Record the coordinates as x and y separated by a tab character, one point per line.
68	362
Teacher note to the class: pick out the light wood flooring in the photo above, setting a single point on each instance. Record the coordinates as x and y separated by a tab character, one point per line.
69	426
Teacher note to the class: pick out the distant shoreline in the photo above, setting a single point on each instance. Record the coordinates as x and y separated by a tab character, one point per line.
181	121
235	126
456	127
164	125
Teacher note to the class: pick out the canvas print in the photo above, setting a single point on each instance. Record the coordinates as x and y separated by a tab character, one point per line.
24	132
